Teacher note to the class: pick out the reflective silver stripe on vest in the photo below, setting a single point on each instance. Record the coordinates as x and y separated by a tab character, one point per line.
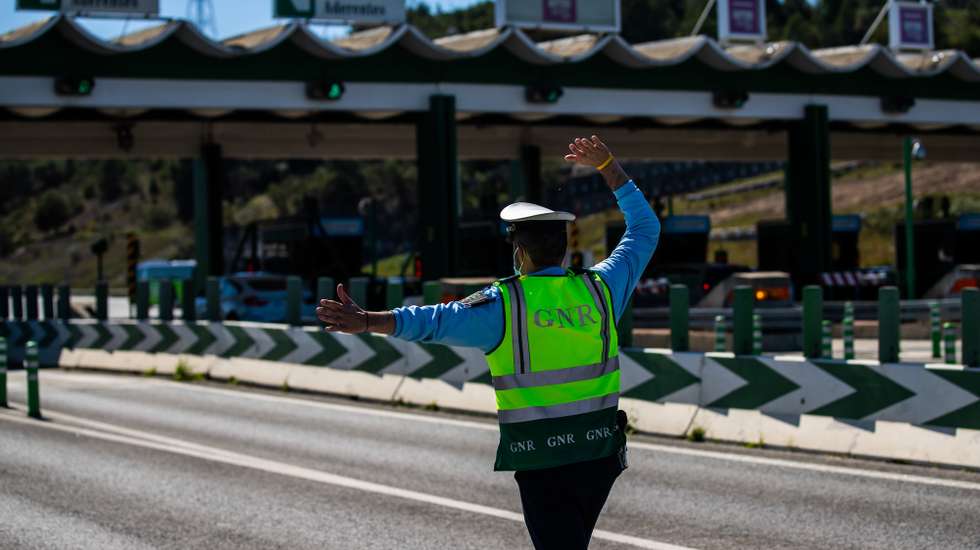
600	303
560	376
558	411
518	327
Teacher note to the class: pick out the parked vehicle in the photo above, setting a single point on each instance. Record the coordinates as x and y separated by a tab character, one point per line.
257	296
953	283
769	288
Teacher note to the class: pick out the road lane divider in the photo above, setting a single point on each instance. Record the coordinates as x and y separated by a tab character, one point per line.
204	452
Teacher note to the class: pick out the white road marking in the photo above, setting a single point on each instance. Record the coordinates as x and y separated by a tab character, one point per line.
717	455
152	441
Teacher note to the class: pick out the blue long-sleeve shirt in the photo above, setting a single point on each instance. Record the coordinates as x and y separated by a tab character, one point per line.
482	327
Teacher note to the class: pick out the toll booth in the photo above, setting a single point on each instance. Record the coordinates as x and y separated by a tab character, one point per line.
844	251
776	252
484	250
683	240
940	245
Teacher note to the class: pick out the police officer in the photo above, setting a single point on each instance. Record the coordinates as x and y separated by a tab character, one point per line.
550	339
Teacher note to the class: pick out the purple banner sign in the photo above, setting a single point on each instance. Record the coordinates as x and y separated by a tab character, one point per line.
743	16
559	11
914	25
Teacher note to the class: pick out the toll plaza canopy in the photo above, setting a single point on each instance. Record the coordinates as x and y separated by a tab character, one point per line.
170	91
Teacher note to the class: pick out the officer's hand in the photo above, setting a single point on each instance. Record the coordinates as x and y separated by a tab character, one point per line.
588	152
342	316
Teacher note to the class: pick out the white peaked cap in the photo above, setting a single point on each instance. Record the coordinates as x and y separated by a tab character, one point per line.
530	212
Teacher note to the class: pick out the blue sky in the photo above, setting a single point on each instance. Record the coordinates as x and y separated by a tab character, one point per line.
233	16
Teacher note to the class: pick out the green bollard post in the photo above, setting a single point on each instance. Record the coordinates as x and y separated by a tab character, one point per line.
625	327
432	292
166	304
294	299
949	335
4	302
394	294
326	289
971	326
213	299
756	334
720	343
188	299
102	300
17	301
47	302
847	331
680	302
359	290
742	306
3	372
142	300
33	391
812	317
889	324
64	303
30	301
826	340
935	329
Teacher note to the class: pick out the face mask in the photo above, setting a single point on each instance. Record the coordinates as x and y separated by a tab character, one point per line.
517	268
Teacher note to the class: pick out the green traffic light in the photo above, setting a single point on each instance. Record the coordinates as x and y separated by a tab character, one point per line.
336	90
84	86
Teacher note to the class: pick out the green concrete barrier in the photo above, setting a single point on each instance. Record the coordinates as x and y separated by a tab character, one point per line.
213	297
326	289
742	306
294	299
47	301
64	302
812	319
358	290
33	384
971	326
102	300
889	324
680	318
166	300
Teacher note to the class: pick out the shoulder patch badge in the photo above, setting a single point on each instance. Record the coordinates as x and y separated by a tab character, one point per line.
476	299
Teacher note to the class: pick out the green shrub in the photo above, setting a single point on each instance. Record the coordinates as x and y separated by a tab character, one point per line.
52	211
696	434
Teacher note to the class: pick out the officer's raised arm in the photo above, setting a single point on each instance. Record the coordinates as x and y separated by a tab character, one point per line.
624	266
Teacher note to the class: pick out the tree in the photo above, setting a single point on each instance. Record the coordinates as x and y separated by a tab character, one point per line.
52	211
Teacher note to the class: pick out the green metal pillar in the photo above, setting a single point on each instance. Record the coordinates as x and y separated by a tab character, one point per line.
213	297
326	289
47	301
812	317
742	306
889	324
808	195
679	313
971	327
438	187
4	302
188	300
31	365
357	288
394	294
909	222
208	229
30	302
166	301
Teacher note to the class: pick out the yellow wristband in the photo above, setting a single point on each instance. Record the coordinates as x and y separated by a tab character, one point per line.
605	164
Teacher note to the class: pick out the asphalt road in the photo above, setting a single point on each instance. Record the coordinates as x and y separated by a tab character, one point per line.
130	462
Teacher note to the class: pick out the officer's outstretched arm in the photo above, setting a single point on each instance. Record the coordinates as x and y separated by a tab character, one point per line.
347	316
593	152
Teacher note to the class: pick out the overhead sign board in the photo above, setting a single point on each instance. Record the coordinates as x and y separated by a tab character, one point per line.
559	15
343	11
741	21
910	26
127	8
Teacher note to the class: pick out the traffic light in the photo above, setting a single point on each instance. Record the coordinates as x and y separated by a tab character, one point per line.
543	93
328	90
730	99
74	85
897	104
